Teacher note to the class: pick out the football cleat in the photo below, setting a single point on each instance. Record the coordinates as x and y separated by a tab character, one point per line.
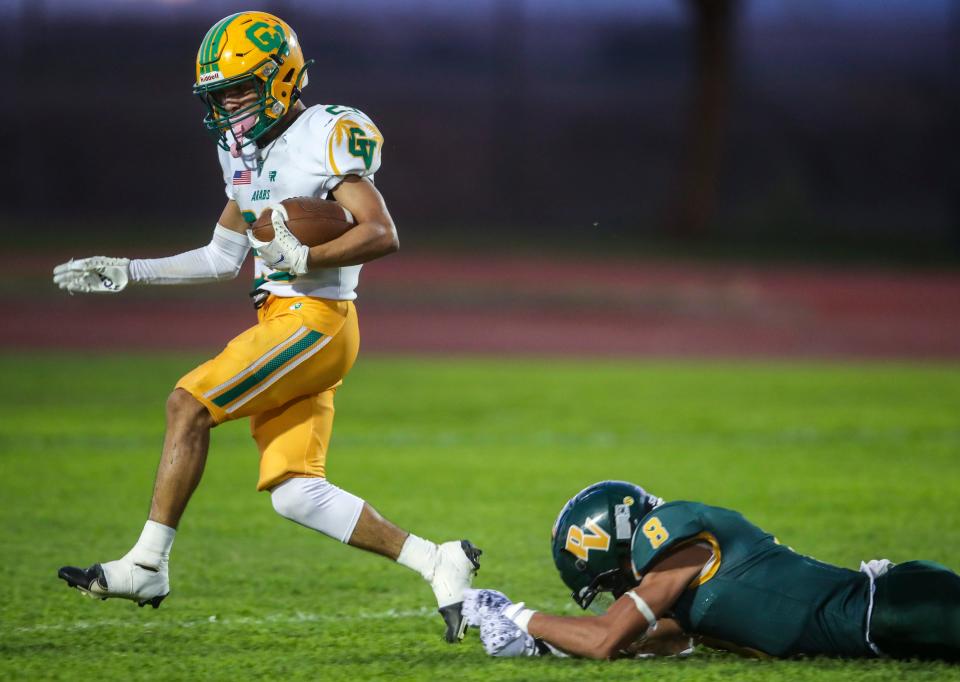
457	563
121	579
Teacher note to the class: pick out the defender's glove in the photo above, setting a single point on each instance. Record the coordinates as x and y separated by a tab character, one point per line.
98	275
480	604
500	636
285	252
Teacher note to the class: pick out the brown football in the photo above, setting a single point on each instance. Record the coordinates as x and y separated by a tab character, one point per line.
312	221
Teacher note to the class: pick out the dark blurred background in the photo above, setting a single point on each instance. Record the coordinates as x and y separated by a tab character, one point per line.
824	127
719	178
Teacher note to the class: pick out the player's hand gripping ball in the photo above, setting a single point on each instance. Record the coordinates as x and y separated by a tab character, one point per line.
284	232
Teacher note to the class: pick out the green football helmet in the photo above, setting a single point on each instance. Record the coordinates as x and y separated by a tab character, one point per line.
592	537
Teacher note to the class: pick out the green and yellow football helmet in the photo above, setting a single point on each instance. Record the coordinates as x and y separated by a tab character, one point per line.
592	537
253	47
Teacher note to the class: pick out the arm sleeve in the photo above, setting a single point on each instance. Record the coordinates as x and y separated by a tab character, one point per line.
219	260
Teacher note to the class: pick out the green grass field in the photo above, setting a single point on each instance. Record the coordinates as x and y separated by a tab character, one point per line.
843	462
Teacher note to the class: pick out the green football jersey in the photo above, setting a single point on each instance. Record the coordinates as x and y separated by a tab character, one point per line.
756	593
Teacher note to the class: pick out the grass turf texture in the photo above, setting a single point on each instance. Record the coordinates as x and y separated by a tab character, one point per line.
843	462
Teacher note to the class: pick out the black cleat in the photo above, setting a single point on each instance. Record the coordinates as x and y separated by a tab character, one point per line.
90	581
155	602
456	623
461	575
473	554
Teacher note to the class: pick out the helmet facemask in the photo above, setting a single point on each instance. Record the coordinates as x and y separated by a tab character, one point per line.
247	124
615	581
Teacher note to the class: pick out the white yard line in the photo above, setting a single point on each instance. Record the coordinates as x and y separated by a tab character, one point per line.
271	619
237	621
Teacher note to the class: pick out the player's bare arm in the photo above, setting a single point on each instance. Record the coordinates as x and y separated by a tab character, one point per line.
630	616
667	639
374	236
371	234
232	219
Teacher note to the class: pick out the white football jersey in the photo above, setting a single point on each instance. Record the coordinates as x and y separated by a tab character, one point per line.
311	157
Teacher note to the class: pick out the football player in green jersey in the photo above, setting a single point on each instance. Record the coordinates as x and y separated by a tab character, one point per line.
685	567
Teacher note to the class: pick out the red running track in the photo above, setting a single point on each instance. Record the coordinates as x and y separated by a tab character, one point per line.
457	304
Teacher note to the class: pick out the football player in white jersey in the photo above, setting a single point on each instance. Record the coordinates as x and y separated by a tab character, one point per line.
283	372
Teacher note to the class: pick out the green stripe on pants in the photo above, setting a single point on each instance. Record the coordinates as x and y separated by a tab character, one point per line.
285	356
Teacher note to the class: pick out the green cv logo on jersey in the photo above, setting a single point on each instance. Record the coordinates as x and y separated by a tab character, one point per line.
362	146
265	40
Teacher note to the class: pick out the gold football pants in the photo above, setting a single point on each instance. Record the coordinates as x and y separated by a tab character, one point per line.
283	374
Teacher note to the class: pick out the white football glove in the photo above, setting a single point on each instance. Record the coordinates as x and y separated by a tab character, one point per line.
479	604
500	636
98	275
285	252
503	639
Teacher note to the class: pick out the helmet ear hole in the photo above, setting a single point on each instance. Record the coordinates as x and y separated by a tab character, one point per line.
581	565
288	76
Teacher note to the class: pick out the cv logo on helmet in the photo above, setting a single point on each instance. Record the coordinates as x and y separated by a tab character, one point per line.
265	40
579	543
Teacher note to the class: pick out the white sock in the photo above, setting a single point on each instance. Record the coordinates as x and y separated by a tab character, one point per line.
419	555
153	547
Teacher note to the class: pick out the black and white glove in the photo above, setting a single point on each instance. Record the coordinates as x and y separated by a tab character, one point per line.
285	252
494	614
97	275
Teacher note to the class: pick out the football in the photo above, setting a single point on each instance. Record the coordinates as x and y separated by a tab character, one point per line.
312	221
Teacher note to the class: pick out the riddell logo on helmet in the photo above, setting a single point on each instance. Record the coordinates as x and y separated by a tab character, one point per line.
212	76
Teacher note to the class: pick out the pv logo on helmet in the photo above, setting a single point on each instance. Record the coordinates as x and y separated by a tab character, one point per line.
581	540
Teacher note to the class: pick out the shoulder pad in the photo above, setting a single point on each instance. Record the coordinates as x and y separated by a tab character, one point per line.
353	143
661	530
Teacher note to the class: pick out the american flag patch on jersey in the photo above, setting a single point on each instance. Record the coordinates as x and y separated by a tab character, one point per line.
241	177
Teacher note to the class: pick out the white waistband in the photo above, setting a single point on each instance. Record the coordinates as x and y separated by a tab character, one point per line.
874	569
